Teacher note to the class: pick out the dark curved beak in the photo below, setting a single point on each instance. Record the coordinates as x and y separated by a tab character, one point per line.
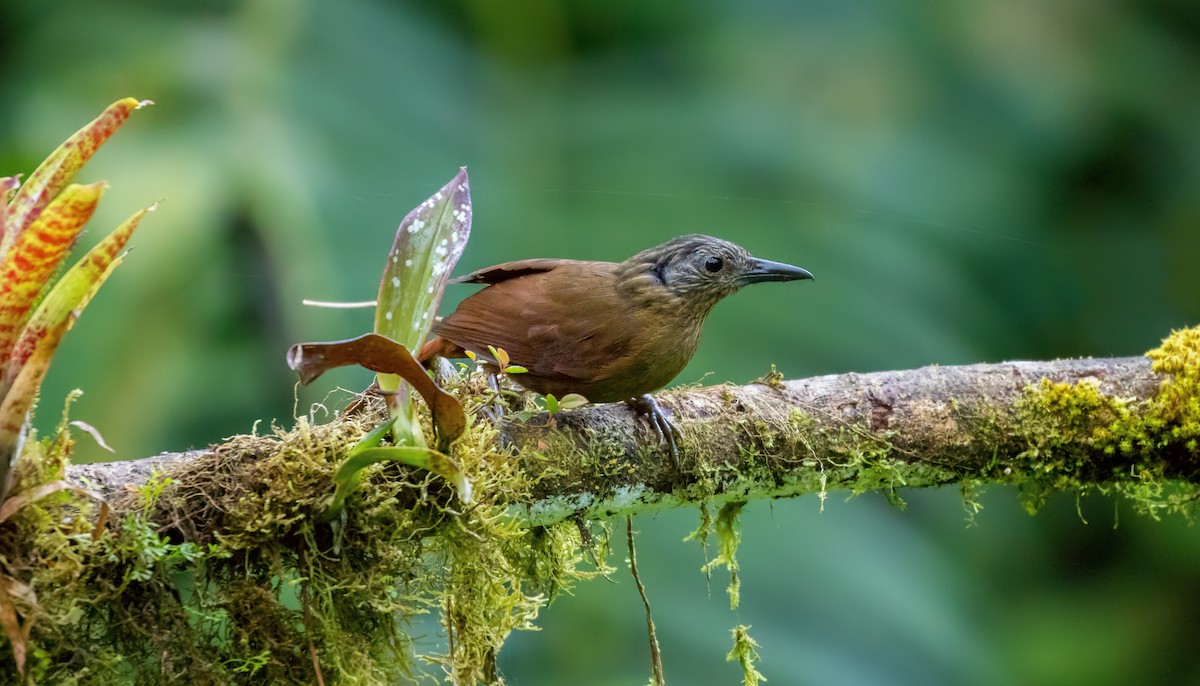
766	270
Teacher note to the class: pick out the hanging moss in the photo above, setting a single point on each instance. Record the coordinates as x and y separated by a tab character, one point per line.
745	653
729	537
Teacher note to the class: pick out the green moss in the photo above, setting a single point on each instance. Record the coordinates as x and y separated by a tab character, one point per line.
220	574
1077	439
703	529
807	454
861	460
728	540
745	653
1062	428
1174	420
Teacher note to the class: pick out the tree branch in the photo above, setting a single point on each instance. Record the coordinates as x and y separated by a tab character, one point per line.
1057	425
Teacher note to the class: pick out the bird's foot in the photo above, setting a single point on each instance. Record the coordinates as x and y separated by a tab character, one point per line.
660	421
494	410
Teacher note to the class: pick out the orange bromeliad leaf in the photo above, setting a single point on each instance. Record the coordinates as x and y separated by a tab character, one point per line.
60	167
30	357
39	222
35	255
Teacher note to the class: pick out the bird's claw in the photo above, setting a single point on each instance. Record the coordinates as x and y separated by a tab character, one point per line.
494	411
660	421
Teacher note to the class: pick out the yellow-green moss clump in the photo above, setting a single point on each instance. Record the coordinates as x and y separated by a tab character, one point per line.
218	572
1073	435
1176	409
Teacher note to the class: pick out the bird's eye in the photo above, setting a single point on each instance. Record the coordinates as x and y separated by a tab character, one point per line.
714	264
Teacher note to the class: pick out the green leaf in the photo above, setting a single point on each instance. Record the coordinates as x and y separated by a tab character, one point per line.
374	437
500	356
572	401
348	474
428	244
515	369
551	403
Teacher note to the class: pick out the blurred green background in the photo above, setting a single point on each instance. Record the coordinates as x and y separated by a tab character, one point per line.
969	181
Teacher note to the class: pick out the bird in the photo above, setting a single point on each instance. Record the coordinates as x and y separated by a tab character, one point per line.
608	331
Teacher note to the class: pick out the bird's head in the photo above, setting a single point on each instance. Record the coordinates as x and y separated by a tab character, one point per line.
696	271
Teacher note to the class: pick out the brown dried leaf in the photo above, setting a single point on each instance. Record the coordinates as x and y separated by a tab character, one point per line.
382	355
10	624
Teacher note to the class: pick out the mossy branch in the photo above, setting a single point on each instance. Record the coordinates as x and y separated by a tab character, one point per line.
1046	426
241	518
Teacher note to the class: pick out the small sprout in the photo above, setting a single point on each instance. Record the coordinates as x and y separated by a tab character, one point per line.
569	401
502	361
499	356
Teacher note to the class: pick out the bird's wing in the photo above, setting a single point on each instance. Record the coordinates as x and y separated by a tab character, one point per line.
557	322
509	270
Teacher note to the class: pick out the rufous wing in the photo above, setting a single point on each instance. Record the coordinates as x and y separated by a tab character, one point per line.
557	318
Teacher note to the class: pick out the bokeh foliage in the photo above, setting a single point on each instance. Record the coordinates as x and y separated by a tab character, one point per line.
969	182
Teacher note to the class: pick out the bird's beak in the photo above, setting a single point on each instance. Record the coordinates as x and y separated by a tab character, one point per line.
766	270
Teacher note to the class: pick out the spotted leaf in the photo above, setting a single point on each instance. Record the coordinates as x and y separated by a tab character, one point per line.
428	244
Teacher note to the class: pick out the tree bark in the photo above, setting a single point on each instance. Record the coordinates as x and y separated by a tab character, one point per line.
933	426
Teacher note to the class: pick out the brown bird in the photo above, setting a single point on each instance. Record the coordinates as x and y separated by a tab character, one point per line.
608	331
